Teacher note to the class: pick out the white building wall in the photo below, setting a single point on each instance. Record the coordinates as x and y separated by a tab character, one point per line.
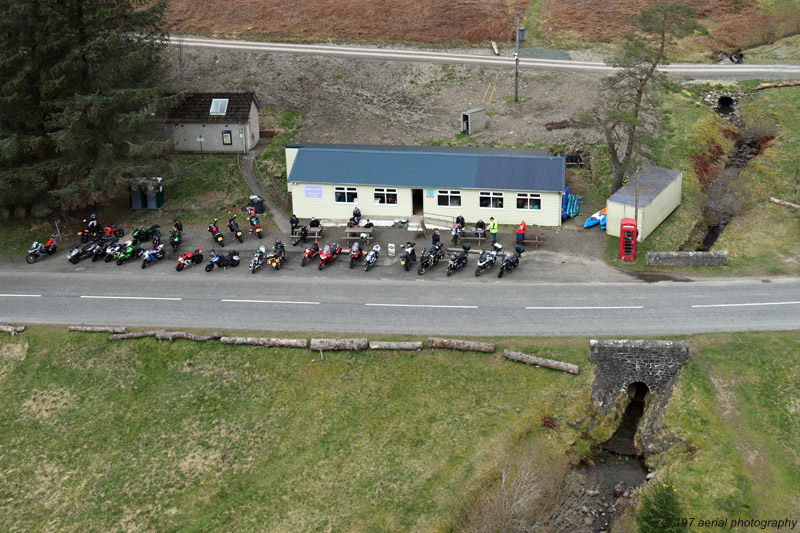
185	136
318	200
548	215
650	216
253	129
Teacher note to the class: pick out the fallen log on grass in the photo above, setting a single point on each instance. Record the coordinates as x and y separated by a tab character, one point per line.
784	203
11	330
267	342
388	345
777	84
338	344
539	361
99	329
457	344
132	335
172	335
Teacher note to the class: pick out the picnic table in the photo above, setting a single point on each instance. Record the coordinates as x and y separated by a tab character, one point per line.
532	238
469	234
313	233
353	234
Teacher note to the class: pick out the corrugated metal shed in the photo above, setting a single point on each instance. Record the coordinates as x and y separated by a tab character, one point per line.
652	180
429	167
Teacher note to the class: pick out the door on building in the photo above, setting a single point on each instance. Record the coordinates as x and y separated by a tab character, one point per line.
416	201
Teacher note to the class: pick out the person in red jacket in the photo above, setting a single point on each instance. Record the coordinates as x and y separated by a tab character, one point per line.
521	232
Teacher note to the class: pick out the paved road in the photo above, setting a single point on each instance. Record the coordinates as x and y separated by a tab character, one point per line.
690	71
388	300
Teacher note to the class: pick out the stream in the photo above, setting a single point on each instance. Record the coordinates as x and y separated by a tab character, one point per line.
616	470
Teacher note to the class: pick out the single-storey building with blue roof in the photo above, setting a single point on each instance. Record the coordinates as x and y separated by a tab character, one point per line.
509	184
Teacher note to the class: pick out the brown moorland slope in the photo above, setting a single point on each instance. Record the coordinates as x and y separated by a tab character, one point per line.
733	24
410	20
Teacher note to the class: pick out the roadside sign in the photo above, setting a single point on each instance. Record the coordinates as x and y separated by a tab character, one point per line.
200	139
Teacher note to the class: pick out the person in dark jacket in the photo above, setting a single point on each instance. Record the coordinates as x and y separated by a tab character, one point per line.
314	223
460	221
294	222
436	238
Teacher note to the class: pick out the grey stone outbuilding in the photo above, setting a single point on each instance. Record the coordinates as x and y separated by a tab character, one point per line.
215	123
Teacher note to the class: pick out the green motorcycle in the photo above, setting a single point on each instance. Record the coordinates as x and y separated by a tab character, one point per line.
128	251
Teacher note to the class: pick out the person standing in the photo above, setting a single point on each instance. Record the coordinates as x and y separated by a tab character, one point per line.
521	232
461	222
436	238
493	229
294	222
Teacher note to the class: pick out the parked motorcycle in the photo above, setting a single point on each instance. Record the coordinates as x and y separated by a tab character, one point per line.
113	231
213	229
429	258
509	261
487	259
76	253
144	234
156	236
328	254
223	261
114	250
309	252
102	251
409	256
258	259
357	250
153	255
130	251
459	259
255	226
85	234
372	257
278	255
234	227
189	259
38	249
175	239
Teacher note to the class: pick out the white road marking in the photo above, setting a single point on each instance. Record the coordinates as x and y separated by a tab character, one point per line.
130	298
422	305
22	295
588	307
748	304
270	302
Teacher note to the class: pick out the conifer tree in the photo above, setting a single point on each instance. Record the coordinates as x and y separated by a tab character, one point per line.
78	80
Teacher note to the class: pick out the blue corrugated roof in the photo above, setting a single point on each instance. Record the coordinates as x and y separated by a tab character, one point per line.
652	180
426	166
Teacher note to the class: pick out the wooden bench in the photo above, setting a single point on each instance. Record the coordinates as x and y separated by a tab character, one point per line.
532	238
351	235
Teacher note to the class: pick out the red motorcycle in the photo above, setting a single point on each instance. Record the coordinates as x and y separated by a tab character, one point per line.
357	250
113	231
310	252
190	259
328	254
213	229
255	226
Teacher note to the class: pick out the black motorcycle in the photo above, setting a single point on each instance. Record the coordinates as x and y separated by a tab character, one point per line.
102	251
76	253
222	261
430	256
510	261
409	256
458	260
234	227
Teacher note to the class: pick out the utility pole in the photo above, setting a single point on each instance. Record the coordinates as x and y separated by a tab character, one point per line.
636	206
516	61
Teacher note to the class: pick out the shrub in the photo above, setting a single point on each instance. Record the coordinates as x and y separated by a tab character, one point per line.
661	511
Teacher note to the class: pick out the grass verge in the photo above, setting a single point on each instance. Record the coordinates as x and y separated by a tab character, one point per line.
147	435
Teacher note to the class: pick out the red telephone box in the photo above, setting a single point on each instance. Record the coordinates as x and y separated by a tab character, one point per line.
627	239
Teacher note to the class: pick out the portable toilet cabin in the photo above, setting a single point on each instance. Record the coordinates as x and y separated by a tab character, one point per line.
473	121
659	195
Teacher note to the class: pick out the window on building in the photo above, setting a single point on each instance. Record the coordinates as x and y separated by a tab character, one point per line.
219	106
227	138
385	196
490	200
447	198
345	195
529	200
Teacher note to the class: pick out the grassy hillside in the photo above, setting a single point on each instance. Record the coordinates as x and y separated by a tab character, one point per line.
143	435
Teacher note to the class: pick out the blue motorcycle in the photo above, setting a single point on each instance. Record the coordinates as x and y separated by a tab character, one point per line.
153	255
509	261
222	260
372	257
